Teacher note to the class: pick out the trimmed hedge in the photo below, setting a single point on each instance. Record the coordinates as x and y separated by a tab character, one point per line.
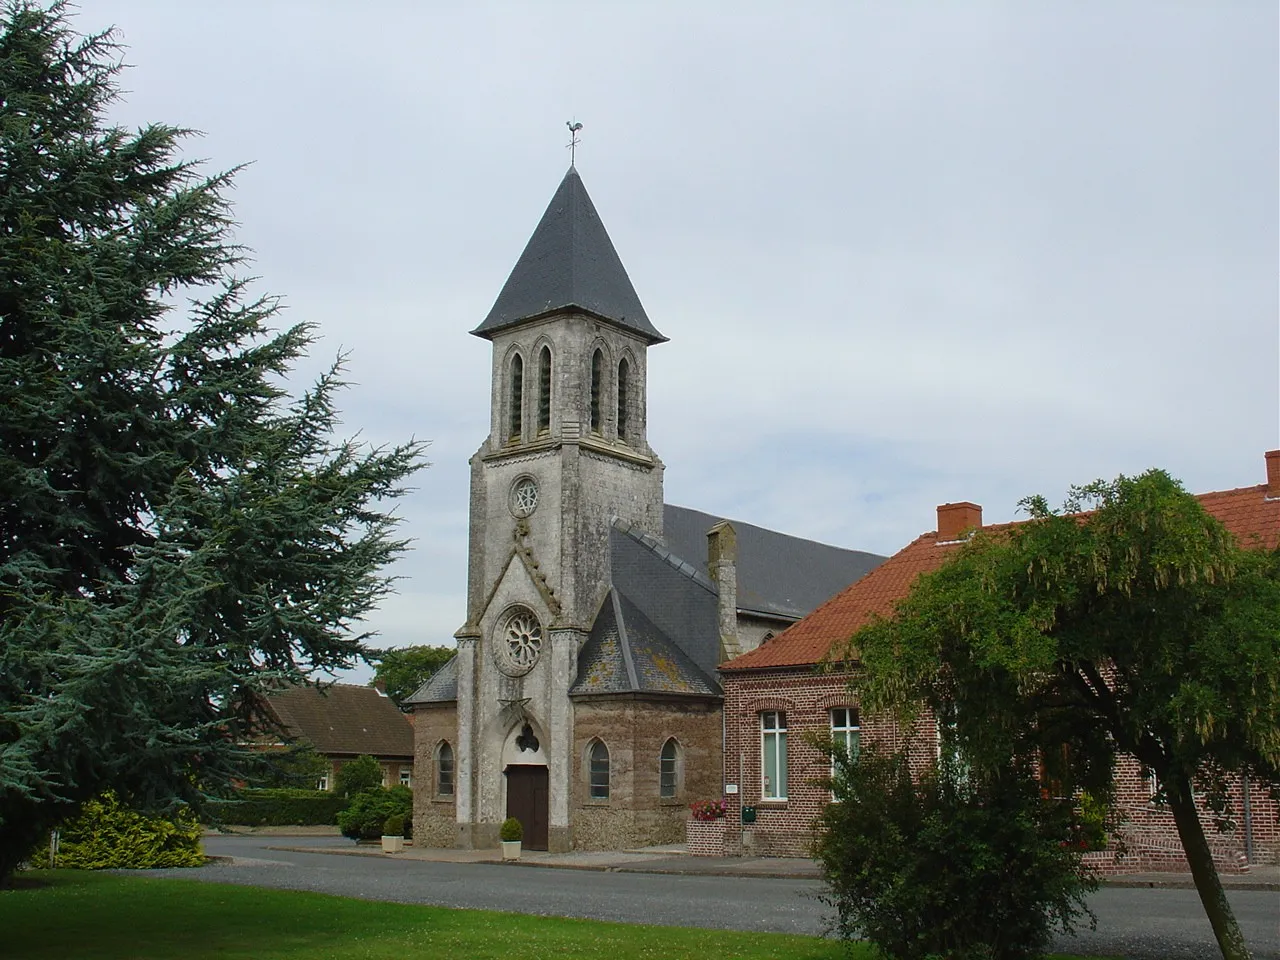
369	811
108	835
283	807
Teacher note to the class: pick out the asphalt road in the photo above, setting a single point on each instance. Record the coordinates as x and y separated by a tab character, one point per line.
1144	924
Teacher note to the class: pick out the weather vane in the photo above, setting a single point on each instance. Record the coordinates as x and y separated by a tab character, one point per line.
574	126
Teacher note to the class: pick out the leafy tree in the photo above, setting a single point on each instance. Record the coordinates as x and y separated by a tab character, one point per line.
1138	627
949	865
405	669
358	775
176	534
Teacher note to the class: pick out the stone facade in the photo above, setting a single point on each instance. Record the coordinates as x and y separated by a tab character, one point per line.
434	813
634	731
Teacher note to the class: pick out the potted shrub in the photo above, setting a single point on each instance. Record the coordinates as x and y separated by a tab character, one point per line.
393	834
511	833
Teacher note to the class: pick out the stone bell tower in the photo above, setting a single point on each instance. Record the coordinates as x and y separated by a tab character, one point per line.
567	451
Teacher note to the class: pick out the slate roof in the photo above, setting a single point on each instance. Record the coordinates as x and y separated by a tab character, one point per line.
627	653
569	262
440	687
778	574
344	719
1246	512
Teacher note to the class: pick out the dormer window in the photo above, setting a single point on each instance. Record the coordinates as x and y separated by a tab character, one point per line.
624	379
597	373
515	422
544	391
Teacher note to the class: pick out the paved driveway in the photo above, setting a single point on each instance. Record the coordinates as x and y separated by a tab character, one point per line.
1146	924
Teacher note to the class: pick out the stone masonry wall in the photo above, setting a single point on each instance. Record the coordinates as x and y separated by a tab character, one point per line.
635	730
434	816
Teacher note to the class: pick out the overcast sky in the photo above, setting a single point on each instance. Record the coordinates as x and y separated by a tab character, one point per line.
943	252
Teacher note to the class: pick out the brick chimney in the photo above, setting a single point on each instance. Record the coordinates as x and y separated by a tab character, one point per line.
722	564
1273	474
955	518
381	687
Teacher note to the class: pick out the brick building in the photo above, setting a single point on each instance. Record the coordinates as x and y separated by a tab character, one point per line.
775	699
343	721
584	697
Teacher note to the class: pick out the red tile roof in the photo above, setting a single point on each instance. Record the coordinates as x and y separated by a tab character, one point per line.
1247	513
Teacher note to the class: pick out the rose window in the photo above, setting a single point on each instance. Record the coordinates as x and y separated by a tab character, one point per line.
524	497
520	642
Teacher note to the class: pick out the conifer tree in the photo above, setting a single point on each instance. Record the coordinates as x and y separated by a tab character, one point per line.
176	532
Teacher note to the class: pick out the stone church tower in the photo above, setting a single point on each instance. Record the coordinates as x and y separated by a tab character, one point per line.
567	452
584	698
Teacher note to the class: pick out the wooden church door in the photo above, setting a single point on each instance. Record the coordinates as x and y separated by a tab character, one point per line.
528	802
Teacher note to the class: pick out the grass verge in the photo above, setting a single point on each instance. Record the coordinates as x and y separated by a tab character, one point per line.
95	916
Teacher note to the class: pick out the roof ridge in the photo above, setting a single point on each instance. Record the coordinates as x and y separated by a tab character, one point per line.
659	549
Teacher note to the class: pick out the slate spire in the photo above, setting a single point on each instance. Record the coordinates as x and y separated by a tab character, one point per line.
569	262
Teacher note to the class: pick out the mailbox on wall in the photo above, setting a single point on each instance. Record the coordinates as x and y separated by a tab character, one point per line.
748	814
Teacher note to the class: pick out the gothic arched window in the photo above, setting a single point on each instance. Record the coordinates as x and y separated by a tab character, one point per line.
669	769
444	770
544	391
515	422
598	770
624	372
597	373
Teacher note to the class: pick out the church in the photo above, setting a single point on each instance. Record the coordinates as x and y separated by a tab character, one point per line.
584	698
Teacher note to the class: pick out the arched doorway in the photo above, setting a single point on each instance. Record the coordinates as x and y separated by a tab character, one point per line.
528	790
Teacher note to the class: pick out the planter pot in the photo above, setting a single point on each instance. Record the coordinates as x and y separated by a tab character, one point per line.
706	838
510	849
393	844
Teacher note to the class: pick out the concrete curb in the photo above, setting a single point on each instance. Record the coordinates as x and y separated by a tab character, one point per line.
707	869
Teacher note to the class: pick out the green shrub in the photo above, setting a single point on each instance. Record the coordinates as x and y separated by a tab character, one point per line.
280	807
950	866
394	826
511	829
365	815
108	835
358	775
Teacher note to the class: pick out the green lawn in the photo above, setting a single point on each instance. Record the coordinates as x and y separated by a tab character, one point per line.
106	917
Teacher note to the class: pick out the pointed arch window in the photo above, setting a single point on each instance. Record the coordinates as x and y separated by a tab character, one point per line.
668	770
515	421
597	374
444	770
624	382
544	391
598	771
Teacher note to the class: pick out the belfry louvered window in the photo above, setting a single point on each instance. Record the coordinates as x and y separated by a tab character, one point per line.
515	420
597	374
544	391
624	378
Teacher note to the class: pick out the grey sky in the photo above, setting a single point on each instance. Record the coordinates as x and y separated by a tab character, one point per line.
905	253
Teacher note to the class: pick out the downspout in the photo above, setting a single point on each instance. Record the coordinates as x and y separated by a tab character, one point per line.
1248	817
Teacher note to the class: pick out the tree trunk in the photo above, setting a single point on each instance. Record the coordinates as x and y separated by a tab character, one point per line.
1203	872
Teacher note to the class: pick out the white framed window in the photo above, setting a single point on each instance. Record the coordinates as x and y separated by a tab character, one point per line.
598	771
773	755
323	782
406	776
846	732
668	770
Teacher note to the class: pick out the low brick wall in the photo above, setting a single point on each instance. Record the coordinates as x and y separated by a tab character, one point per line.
706	838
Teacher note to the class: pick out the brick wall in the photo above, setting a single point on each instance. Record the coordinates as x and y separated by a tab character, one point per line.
635	731
434	816
784	828
1147	840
